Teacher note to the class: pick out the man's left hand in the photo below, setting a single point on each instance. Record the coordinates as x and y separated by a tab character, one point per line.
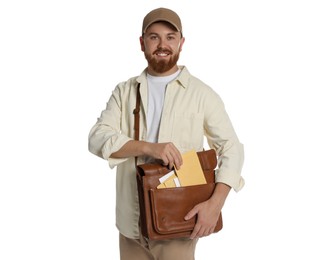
207	218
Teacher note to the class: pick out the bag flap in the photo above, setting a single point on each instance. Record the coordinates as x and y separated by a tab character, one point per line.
170	205
208	159
152	169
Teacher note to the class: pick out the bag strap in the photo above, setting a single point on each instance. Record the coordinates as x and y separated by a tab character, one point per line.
136	113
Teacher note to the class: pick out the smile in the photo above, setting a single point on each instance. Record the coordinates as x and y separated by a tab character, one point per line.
162	54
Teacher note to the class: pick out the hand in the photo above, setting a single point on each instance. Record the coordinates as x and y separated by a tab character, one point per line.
167	152
207	219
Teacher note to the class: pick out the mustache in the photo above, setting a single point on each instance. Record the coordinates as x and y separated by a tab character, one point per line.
163	50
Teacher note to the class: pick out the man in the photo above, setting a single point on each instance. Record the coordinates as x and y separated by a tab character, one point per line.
177	111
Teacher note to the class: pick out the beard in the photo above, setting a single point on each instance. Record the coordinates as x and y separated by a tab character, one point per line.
162	65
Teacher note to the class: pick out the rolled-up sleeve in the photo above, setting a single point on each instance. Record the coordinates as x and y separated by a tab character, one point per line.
223	138
105	136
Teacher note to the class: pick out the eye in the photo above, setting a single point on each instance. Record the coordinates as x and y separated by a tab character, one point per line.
170	37
153	37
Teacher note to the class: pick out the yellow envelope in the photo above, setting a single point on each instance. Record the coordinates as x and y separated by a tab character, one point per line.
170	183
190	173
167	181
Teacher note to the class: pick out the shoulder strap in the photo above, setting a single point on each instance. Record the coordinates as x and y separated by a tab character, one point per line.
136	113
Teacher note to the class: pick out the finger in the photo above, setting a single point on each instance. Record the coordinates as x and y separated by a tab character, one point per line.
195	232
177	157
169	160
165	160
191	214
170	166
178	163
212	229
206	232
171	156
203	232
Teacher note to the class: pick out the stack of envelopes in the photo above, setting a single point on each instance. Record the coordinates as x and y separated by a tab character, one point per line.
190	173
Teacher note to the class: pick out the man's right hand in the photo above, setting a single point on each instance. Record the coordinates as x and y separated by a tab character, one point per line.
167	152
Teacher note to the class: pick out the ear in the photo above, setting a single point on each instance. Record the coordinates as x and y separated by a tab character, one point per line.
181	43
142	43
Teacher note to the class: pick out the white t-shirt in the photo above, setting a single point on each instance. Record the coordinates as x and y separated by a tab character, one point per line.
156	96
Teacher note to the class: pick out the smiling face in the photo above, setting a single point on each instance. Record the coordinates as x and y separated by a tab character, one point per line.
161	45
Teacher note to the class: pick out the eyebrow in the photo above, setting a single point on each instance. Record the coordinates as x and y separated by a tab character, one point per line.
168	34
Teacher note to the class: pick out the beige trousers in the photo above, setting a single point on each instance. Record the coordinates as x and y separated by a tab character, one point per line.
144	249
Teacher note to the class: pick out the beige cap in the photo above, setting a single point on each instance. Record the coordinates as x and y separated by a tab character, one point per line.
162	14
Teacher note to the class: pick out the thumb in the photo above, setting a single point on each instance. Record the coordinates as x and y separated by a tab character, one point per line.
191	214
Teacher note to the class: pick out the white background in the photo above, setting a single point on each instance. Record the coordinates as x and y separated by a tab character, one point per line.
59	62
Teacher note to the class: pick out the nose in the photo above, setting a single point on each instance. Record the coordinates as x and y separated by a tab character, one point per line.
161	43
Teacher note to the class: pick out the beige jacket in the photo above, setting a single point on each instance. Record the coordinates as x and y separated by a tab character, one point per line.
192	111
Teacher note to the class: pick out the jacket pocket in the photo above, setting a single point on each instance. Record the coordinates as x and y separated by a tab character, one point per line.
188	130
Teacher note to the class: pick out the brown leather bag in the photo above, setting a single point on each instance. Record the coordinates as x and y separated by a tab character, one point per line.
162	211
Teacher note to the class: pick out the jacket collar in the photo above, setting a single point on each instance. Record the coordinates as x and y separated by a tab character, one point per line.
183	79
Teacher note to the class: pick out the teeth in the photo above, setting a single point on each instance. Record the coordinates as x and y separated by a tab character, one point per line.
162	54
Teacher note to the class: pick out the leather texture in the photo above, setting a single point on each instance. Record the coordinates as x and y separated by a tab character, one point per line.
162	211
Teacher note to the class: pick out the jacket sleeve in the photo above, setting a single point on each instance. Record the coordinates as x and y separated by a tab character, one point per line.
105	136
222	137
